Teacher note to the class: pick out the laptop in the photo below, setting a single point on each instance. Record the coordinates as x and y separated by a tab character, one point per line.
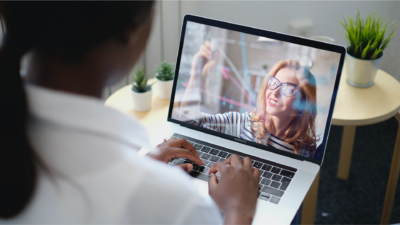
256	93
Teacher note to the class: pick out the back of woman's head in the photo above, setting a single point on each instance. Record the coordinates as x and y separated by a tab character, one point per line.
68	29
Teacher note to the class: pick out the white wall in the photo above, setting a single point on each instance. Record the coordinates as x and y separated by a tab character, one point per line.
163	42
270	15
277	16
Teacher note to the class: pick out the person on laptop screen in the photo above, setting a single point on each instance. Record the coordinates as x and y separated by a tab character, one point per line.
285	113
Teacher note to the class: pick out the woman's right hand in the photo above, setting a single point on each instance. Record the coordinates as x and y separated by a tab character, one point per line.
203	59
236	191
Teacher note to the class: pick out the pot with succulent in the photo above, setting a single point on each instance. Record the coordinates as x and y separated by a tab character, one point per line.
366	44
165	80
141	91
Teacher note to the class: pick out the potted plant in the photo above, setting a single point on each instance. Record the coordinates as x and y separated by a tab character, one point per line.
366	44
165	80
141	91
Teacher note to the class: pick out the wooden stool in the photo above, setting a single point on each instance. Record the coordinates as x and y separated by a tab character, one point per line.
357	107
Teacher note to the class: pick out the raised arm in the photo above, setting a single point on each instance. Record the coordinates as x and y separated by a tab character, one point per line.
202	62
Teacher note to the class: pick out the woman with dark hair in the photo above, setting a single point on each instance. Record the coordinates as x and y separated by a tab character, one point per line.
64	157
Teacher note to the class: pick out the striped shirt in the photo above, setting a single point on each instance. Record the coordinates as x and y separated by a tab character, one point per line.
239	125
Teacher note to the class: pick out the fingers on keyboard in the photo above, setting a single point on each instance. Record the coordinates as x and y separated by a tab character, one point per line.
273	180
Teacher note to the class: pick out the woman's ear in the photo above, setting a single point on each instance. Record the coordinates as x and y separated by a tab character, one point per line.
134	35
128	37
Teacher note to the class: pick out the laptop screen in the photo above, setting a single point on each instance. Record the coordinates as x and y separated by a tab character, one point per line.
257	88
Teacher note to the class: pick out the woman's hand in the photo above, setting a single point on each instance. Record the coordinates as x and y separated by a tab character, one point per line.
203	60
236	191
176	148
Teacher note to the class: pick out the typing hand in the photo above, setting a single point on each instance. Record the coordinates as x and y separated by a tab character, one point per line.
236	191
176	148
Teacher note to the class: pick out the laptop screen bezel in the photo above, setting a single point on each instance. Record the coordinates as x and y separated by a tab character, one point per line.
268	34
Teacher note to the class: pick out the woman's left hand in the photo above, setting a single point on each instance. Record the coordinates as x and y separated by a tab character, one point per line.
177	148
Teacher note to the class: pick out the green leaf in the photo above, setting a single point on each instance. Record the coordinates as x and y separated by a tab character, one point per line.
358	51
343	24
386	41
376	53
374	45
366	37
165	71
365	51
140	81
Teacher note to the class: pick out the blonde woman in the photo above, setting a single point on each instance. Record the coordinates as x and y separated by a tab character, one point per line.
285	114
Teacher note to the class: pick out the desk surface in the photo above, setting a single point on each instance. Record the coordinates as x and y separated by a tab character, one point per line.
363	106
152	119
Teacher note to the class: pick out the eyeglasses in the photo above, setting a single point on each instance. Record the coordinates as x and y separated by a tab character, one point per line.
287	89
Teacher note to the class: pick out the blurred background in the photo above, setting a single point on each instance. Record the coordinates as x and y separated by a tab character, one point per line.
301	18
306	19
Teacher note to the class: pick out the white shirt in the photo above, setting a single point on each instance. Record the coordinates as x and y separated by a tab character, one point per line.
97	176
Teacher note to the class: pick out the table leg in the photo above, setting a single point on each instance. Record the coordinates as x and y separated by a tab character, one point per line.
393	176
346	150
310	203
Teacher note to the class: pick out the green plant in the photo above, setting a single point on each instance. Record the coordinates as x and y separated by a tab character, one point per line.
140	81
165	71
367	37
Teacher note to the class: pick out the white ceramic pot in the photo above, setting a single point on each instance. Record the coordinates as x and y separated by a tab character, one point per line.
142	101
361	72
164	88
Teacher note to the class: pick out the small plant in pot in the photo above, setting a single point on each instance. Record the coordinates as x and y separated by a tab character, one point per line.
165	79
141	91
366	44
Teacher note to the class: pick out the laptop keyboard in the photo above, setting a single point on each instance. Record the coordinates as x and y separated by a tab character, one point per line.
274	178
